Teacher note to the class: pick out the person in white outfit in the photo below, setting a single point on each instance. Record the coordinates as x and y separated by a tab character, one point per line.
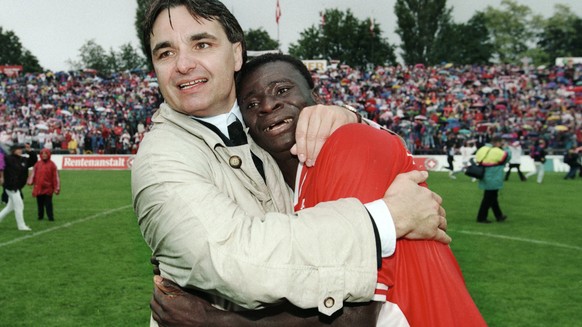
15	176
538	154
467	151
515	162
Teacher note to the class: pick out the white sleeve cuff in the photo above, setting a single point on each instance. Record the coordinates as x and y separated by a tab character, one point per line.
385	224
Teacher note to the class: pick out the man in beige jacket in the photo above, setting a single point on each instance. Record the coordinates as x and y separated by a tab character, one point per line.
214	221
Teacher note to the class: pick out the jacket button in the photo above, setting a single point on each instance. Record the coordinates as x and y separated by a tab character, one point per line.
329	302
235	162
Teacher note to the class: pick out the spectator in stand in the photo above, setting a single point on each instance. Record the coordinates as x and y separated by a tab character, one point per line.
72	146
15	177
46	182
538	154
48	144
515	162
494	158
428	135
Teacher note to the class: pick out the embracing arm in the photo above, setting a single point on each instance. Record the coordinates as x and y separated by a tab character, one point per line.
171	306
416	211
315	125
205	240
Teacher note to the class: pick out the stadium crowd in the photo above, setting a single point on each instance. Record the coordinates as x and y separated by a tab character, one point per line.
82	112
77	112
429	105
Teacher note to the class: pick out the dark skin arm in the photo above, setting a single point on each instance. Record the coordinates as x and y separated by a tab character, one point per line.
173	306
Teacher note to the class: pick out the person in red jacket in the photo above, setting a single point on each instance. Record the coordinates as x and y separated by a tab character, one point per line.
45	179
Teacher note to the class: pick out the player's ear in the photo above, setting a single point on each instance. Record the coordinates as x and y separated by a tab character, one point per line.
237	52
315	96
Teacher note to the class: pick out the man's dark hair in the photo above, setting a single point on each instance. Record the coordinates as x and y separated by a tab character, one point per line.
253	64
496	139
199	9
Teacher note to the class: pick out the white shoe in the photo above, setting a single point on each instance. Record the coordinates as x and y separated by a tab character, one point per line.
25	228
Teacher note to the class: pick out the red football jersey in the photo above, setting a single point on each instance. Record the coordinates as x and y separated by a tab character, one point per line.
422	277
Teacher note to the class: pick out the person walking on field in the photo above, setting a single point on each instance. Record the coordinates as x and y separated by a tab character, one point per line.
15	176
494	158
450	148
2	165
46	182
538	154
572	159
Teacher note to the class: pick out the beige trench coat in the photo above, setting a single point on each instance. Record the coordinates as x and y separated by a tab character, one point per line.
221	229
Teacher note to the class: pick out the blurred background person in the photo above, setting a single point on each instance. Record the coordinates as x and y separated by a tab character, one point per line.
538	154
2	164
515	162
494	158
572	159
46	182
467	151
15	177
451	149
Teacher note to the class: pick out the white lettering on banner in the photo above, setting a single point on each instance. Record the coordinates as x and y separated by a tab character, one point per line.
429	162
319	65
96	162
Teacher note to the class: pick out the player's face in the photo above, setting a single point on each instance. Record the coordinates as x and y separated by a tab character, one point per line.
194	63
272	97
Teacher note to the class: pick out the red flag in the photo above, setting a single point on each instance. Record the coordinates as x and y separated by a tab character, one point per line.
277	12
322	16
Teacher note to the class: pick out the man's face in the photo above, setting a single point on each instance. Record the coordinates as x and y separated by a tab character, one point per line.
272	97
194	63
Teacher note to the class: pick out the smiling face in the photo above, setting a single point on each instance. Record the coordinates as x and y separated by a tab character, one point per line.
194	62
270	98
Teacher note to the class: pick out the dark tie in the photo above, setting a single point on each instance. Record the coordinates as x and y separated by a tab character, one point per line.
236	133
238	137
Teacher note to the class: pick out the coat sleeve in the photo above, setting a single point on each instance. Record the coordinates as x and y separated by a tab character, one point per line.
203	239
56	179
32	159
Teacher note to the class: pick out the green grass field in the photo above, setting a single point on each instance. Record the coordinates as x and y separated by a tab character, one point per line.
91	267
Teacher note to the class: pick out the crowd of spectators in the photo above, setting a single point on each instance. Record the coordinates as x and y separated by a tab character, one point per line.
77	112
429	106
81	112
